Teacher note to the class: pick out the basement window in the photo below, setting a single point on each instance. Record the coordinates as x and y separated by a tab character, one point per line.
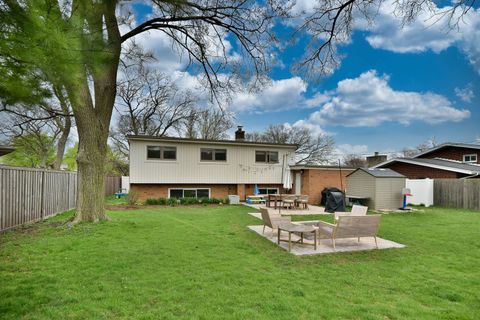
189	193
470	158
268	190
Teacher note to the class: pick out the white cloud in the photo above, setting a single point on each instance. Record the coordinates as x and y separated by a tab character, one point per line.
278	95
425	33
368	100
465	94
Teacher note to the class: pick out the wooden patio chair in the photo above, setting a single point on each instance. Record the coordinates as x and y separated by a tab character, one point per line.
356	211
272	220
288	201
350	227
303	201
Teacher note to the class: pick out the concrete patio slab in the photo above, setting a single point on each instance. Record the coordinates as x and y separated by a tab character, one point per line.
342	245
312	210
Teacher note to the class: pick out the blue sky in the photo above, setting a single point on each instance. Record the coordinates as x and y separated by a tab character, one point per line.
396	87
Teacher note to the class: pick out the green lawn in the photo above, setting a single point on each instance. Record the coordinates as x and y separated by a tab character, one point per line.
203	263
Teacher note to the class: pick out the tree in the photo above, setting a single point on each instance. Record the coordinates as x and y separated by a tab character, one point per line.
313	148
36	150
422	147
148	102
49	117
209	124
79	44
115	164
354	161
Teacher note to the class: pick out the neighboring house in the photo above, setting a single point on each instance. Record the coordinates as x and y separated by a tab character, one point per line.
311	180
177	167
380	189
5	150
446	161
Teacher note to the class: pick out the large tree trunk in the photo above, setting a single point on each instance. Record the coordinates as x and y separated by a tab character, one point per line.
93	108
92	150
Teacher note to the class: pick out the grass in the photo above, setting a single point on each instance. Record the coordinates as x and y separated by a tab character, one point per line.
203	263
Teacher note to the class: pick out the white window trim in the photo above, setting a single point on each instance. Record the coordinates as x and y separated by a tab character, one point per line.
179	188
470	155
160	159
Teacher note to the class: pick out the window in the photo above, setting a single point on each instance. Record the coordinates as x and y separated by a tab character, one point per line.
189	193
161	153
268	190
266	156
470	158
213	154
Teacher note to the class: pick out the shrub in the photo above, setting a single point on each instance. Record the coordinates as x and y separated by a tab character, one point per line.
162	201
151	202
189	201
172	202
132	197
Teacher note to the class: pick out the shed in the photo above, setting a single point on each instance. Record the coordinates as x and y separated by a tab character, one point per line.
381	187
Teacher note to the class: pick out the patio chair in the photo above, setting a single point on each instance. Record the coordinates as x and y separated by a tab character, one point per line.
272	220
303	201
350	227
288	201
356	211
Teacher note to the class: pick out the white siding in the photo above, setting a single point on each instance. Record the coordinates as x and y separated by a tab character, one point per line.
240	166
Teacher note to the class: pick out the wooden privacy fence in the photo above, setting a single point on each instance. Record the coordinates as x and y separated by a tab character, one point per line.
457	193
28	195
112	185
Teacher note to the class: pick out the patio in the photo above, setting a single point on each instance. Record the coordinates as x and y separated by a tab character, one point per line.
325	246
312	210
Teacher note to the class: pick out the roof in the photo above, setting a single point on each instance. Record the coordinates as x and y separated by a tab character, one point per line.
206	141
438	163
380	173
450	144
5	150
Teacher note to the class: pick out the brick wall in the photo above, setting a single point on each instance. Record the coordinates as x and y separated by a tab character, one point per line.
453	153
146	191
315	180
216	190
412	171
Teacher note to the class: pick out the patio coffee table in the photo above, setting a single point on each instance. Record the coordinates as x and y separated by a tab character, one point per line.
298	229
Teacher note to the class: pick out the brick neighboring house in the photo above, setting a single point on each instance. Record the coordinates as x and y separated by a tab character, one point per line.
311	179
446	161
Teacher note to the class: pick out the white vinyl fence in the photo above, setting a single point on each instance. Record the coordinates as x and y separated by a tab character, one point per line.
421	190
125	184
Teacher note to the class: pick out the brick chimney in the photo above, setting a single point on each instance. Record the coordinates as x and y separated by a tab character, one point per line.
240	134
376	159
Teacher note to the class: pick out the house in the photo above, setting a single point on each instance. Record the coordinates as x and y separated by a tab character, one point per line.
178	167
381	189
446	161
311	179
5	150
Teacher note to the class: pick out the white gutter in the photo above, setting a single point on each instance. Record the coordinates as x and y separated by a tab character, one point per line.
424	164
